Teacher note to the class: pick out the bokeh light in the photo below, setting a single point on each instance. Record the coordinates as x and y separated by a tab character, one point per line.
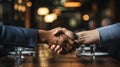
29	4
43	11
49	18
86	17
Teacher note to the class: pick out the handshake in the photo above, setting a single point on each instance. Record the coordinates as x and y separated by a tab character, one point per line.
64	41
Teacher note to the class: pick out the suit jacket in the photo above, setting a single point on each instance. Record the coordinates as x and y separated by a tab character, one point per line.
110	39
11	35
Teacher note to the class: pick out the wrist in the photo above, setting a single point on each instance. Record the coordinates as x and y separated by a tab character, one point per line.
42	36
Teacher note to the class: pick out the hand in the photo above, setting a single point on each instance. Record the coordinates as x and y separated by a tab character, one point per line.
88	37
48	36
56	48
54	36
66	32
67	41
66	46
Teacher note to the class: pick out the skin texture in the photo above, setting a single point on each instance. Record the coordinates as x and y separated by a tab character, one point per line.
56	39
88	37
67	43
85	37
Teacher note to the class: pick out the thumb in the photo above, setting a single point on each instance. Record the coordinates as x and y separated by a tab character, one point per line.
57	32
79	41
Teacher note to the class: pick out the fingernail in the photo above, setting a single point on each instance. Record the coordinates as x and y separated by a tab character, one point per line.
58	52
57	47
52	47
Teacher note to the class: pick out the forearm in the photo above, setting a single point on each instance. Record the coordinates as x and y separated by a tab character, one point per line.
17	35
109	33
88	37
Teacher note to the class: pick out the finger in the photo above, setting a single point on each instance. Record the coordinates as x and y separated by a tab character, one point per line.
68	33
57	48
57	31
80	34
49	46
52	47
58	52
79	41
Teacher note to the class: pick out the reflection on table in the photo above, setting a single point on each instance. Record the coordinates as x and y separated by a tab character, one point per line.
46	58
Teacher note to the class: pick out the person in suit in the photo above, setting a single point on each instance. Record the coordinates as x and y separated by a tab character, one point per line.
30	37
103	35
108	37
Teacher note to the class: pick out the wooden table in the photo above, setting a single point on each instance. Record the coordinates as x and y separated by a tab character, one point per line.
46	58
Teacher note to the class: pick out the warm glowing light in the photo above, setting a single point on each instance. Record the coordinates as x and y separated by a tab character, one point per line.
86	17
54	16
43	11
49	18
29	4
19	1
16	6
19	8
23	9
72	4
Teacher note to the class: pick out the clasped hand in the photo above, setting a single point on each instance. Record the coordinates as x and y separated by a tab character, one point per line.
64	41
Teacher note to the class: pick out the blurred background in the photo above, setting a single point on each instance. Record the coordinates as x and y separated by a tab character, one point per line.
74	15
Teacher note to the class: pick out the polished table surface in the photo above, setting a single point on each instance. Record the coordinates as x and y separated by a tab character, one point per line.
46	58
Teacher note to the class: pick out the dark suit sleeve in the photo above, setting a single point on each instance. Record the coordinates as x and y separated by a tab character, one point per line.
110	34
18	36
